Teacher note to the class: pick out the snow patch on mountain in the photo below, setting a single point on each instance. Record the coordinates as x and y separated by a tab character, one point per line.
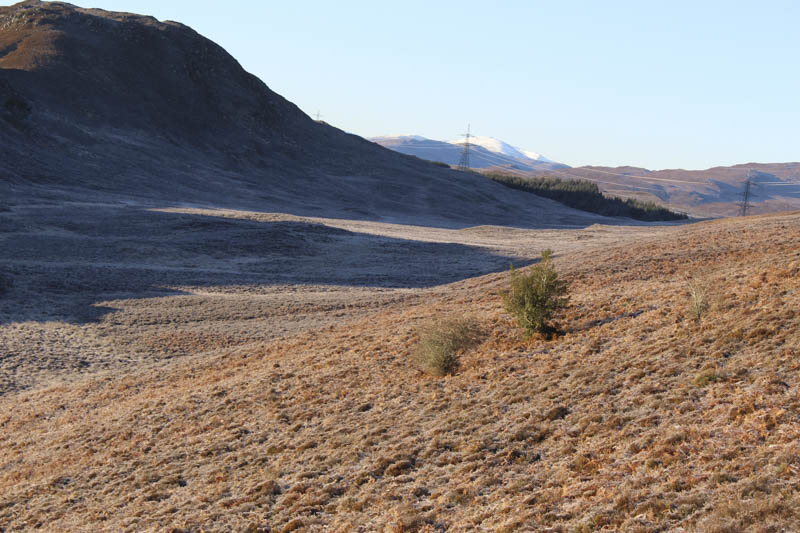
486	152
501	147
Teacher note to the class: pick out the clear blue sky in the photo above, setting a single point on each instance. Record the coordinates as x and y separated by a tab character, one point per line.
659	84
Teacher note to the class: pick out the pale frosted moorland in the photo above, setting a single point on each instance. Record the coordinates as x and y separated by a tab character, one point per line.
315	417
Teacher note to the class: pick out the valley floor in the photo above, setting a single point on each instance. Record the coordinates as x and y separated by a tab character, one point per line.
254	372
106	288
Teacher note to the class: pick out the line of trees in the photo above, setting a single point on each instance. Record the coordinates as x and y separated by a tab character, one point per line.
586	196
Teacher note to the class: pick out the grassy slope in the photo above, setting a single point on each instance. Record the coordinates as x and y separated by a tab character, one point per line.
638	419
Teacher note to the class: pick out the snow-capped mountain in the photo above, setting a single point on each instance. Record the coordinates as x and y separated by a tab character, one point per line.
399	137
501	147
485	152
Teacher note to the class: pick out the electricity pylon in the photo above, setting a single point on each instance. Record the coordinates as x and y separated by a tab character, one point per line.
744	205
463	164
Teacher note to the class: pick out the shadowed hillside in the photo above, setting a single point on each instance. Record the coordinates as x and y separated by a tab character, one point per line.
101	106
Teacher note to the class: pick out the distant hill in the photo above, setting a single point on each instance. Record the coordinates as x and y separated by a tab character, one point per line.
101	106
485	152
713	192
501	147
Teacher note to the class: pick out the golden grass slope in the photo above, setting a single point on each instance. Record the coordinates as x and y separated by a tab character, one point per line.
638	419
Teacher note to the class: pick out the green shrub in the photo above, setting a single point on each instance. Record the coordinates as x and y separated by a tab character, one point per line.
442	341
535	296
440	164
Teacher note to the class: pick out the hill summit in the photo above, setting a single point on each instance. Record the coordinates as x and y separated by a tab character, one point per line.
97	105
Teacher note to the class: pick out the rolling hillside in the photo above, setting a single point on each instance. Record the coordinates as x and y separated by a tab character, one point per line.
115	107
640	418
210	307
713	192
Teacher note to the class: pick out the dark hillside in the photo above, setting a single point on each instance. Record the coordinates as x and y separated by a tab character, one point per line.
85	76
101	106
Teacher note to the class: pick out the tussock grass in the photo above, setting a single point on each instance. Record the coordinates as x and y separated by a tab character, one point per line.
441	342
698	297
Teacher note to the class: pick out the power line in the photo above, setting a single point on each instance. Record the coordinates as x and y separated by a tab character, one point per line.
629	176
463	164
482	155
524	174
645	178
632	189
649	178
640	177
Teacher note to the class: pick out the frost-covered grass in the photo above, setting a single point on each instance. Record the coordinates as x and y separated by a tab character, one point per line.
638	418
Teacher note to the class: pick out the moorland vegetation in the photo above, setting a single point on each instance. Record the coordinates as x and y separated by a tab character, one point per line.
638	417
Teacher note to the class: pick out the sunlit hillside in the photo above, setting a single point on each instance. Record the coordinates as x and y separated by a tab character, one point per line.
639	418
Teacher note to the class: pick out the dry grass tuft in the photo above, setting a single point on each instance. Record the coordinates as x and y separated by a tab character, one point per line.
698	296
441	342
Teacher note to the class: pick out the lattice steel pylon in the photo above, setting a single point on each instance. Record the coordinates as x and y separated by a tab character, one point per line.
463	164
744	206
